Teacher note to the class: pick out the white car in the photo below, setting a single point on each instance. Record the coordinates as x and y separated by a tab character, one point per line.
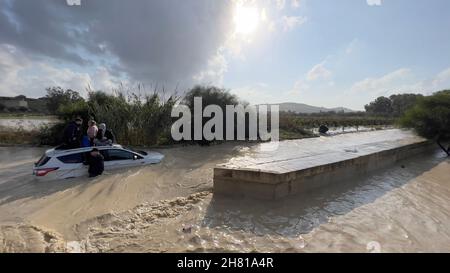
61	164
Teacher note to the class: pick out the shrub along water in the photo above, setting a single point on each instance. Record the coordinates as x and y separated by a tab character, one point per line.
145	120
139	120
430	117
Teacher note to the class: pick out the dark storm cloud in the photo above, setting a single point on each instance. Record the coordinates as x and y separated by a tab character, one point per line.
37	26
163	41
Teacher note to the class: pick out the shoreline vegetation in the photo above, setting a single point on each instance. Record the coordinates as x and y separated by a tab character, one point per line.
21	137
142	120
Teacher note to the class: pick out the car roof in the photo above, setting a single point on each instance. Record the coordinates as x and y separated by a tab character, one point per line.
54	152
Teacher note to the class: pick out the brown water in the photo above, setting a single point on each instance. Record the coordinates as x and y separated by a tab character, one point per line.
403	208
26	124
58	205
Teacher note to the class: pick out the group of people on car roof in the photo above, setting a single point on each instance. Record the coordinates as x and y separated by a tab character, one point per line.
95	136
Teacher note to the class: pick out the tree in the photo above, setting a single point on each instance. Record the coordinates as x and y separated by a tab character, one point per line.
381	106
57	97
402	102
430	118
210	96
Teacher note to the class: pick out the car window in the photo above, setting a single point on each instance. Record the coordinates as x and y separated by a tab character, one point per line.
72	158
136	151
119	155
42	161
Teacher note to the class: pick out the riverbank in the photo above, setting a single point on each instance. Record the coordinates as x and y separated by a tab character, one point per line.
24	129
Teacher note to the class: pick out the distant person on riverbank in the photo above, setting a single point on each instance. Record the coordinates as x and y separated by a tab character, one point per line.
96	163
92	131
104	136
72	134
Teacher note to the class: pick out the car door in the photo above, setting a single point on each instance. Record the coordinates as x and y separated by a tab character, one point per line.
118	158
72	166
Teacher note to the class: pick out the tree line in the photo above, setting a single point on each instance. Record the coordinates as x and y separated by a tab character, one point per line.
139	118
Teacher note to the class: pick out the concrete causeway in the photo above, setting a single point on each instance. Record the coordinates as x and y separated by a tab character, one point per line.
295	166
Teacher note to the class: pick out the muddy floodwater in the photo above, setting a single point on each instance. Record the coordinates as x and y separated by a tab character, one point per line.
170	207
27	123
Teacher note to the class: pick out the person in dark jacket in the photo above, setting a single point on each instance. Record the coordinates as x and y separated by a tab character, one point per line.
96	163
72	134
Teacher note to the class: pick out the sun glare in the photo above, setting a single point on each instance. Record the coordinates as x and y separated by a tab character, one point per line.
246	19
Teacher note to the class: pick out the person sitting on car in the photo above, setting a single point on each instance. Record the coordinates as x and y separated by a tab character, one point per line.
85	142
72	134
96	164
92	131
104	136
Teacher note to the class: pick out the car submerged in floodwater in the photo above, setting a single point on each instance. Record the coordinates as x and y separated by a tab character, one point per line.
61	164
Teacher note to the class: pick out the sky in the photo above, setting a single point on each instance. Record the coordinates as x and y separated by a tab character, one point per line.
320	52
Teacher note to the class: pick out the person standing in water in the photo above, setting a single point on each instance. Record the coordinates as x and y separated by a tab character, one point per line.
96	163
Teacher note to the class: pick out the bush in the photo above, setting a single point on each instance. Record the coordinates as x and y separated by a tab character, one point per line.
210	96
56	96
395	105
430	117
51	135
135	119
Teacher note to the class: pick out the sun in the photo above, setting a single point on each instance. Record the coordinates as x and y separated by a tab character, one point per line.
246	19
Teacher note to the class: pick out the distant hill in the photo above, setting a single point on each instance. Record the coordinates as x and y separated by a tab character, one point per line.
309	109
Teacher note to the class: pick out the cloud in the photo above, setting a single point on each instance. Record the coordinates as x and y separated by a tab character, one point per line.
442	80
374	2
10	65
259	93
150	41
290	22
352	46
384	84
24	75
73	2
280	4
214	72
403	80
295	4
318	72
